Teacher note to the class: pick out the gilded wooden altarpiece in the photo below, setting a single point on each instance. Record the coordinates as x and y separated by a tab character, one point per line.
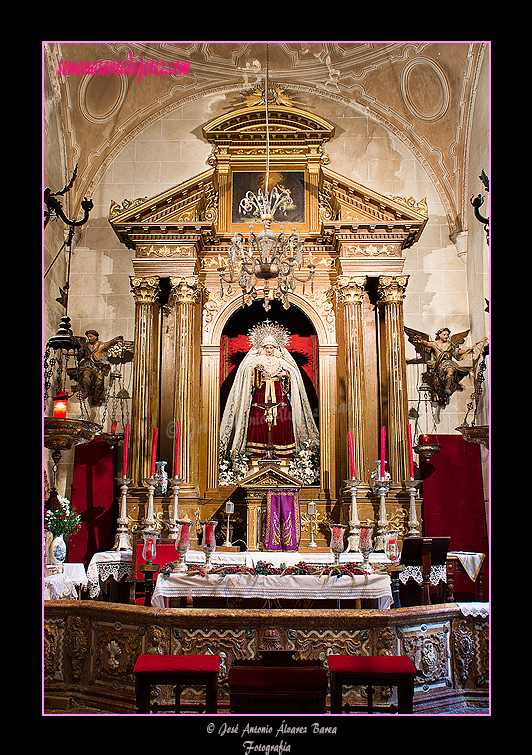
356	238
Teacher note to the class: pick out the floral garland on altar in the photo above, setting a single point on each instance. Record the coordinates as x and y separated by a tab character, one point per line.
263	568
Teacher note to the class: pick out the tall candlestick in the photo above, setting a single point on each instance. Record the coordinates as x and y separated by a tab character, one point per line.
410	453
383	451
126	449
154	451
177	448
351	454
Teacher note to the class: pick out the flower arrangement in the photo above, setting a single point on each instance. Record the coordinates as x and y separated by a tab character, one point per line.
64	520
304	466
233	468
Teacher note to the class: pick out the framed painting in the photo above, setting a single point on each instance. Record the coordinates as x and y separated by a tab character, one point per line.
294	181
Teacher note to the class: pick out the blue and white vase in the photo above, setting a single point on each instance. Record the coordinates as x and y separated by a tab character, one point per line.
58	550
161	478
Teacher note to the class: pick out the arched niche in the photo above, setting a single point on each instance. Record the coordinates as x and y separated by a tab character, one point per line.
319	314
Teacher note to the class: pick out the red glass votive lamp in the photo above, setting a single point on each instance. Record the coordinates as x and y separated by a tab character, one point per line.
60	404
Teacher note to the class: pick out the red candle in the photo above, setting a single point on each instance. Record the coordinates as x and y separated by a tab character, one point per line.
113	428
126	448
153	451
383	449
184	534
351	455
410	454
149	551
209	534
177	448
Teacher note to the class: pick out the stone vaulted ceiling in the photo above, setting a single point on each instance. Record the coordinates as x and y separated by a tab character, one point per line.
423	92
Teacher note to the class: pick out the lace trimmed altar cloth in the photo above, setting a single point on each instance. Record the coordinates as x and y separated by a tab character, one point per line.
105	564
295	587
117	564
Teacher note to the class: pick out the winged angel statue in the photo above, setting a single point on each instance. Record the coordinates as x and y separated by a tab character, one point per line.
94	363
441	356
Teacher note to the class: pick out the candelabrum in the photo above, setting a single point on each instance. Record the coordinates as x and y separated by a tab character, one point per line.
122	538
366	545
381	482
413	524
150	522
311	511
354	532
182	544
208	542
229	509
337	540
173	525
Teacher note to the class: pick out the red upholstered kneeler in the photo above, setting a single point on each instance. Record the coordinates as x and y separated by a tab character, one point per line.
383	670
298	687
179	670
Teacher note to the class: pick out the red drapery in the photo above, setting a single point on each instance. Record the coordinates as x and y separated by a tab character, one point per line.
453	501
233	349
93	496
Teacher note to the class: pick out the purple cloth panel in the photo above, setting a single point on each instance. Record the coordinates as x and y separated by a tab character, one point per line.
283	521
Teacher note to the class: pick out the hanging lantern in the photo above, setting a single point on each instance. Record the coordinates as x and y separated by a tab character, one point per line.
424	448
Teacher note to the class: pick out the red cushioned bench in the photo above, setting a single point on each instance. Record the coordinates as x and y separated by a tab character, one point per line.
262	687
178	670
382	670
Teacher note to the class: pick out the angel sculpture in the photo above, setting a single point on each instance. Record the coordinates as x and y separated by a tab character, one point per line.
93	366
444	373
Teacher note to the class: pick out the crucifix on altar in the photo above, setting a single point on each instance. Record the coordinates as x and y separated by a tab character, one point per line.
269	418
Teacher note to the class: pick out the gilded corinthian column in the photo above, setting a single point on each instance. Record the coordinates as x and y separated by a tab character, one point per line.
395	405
186	395
351	292
145	399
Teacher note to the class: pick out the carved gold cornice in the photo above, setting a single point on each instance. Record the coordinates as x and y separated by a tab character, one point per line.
166	251
392	288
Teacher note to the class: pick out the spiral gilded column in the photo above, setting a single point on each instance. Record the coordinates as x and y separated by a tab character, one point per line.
395	407
145	399
350	291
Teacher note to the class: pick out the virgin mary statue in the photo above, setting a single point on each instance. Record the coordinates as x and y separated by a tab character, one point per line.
267	407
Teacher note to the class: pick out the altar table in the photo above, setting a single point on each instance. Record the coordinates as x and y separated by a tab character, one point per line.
272	587
105	564
117	564
63	583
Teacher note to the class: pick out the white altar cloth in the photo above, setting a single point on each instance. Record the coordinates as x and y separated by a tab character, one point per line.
117	564
295	587
105	564
471	562
478	610
59	587
62	580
